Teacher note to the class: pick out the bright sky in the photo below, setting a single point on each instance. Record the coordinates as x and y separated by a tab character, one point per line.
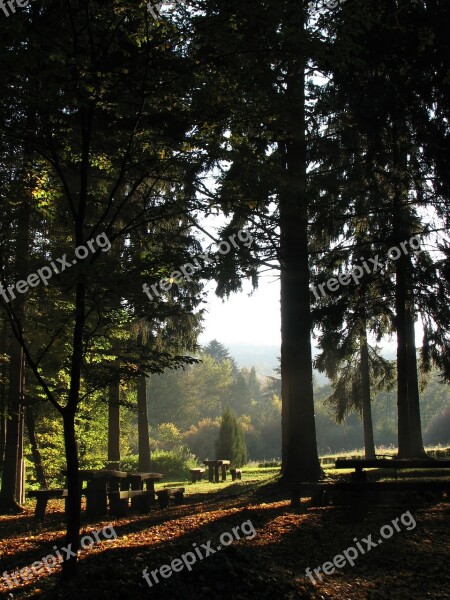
253	319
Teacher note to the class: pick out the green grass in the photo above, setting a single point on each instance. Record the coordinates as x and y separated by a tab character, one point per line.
251	476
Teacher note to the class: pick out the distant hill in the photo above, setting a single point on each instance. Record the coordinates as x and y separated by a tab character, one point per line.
263	358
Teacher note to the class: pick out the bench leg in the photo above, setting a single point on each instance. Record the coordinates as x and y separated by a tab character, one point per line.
41	506
211	473
224	472
142	504
150	487
96	499
295	501
163	499
117	507
179	498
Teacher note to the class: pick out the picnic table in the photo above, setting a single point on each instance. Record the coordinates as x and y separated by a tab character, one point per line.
359	464
137	481
99	482
213	469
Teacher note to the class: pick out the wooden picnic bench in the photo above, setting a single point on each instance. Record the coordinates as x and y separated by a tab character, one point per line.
213	469
132	488
197	474
141	500
236	474
359	464
42	498
361	491
166	494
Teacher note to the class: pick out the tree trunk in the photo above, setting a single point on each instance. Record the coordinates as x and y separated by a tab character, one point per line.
73	503
31	428
11	490
416	448
8	499
409	428
301	461
143	433
369	444
114	424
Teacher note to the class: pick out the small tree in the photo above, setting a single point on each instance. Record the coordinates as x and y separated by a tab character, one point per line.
231	442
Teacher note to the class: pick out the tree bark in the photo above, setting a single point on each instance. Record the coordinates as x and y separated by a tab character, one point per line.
31	428
416	447
143	433
300	459
114	424
73	503
369	444
8	498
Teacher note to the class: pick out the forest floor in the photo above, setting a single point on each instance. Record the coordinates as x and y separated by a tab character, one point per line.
278	543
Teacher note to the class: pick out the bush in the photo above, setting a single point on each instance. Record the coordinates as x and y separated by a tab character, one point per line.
171	463
231	443
201	438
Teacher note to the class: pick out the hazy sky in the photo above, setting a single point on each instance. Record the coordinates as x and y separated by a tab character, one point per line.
254	319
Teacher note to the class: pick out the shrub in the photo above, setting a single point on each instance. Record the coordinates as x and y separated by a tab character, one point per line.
231	442
201	438
171	463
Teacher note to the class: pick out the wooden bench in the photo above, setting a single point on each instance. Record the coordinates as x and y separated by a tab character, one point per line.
42	497
359	464
141	500
358	494
197	474
236	474
165	495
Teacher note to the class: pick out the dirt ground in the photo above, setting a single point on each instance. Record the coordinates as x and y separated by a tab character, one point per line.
275	547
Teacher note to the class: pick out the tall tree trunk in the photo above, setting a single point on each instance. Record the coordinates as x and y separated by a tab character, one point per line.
301	462
31	428
73	503
3	394
410	443
20	466
369	444
8	498
114	423
416	447
11	490
143	433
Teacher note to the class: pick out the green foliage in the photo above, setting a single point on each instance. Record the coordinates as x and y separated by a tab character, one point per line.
201	438
171	463
231	443
167	436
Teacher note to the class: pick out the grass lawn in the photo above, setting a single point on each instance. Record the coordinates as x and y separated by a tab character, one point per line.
276	545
